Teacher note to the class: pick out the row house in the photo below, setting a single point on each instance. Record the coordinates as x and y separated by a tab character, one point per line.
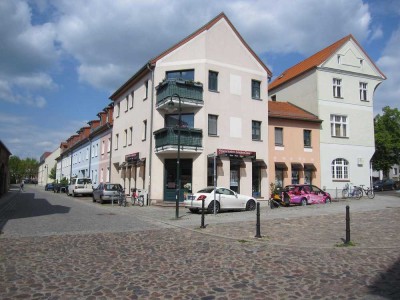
294	154
337	85
87	154
210	89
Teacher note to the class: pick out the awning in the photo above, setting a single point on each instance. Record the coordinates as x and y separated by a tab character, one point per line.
281	165
260	163
297	166
309	166
141	162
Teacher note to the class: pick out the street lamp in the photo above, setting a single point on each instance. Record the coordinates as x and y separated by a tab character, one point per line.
171	107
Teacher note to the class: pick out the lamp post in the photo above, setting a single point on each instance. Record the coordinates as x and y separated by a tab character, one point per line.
178	167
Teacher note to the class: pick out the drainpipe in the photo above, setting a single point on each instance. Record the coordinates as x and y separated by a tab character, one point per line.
151	133
109	164
90	156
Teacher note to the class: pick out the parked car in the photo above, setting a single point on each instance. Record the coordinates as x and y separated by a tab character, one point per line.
303	194
49	187
385	184
226	199
82	186
60	188
106	192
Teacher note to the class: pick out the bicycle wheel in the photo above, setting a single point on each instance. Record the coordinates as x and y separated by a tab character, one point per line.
141	201
357	194
370	194
345	193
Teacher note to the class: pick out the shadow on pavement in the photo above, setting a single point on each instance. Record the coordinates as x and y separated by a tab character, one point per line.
25	205
387	285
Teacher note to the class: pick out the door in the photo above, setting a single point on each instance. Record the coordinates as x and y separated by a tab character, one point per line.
171	180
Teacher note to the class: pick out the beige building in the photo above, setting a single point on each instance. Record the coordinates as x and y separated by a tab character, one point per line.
294	155
221	87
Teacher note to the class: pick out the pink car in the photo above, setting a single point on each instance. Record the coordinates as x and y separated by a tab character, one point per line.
303	194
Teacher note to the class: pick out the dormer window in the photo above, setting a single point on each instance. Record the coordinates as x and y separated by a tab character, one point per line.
339	59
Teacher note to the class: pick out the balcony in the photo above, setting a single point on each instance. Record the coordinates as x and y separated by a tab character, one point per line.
167	140
191	93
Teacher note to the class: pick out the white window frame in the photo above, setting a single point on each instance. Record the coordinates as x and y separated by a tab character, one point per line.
117	110
103	147
340	122
116	141
132	98
126	103
109	145
212	119
363	91
337	88
130	135
340	169
144	136
275	136
125	137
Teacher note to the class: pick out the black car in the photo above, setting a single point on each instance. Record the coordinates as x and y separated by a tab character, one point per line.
60	188
385	184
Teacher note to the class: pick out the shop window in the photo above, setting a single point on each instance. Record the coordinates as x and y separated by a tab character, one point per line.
279	177
256	181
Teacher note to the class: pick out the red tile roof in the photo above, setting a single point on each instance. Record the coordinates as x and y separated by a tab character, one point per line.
315	60
287	110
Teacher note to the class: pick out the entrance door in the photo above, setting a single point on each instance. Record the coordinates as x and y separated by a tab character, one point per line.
171	181
235	178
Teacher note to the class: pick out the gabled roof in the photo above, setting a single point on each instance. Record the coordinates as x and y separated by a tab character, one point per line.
287	110
314	61
151	63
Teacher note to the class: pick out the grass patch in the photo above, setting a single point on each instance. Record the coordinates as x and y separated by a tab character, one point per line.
349	244
243	241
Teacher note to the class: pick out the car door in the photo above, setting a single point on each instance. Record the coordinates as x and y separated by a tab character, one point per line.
318	194
228	199
97	191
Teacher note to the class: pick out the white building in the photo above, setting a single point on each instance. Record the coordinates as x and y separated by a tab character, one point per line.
46	164
337	84
221	85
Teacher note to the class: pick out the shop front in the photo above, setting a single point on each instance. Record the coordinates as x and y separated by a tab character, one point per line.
171	180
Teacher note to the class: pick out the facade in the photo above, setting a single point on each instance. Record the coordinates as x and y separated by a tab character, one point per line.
337	85
220	87
294	155
87	154
46	163
4	170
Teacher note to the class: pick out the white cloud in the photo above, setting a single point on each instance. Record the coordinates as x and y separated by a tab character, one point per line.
388	94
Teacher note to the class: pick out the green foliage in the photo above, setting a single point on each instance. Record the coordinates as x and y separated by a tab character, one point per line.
22	168
64	181
387	140
52	174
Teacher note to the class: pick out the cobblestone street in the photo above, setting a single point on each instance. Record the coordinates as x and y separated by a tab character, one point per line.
296	258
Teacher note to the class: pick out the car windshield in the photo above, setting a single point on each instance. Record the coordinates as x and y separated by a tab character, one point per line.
207	190
84	181
112	187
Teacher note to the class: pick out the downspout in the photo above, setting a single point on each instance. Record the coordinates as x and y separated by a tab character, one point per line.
151	133
109	164
90	156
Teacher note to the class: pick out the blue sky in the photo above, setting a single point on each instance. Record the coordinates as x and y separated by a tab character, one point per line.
60	60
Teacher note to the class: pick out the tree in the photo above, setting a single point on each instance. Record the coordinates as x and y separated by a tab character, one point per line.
387	140
22	168
52	174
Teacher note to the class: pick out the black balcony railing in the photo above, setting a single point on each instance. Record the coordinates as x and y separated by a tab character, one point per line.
189	91
167	138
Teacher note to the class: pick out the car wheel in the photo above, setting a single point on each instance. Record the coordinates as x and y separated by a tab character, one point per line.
303	202
210	208
194	210
328	201
251	205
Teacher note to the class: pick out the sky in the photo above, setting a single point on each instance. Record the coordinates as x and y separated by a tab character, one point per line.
60	60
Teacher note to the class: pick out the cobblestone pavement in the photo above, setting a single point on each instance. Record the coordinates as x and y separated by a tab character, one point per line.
298	257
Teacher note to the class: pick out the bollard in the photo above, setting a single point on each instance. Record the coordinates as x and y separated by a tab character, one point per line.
258	234
347	224
202	214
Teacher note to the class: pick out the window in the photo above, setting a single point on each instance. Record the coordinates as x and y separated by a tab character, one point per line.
116	141
212	125
307	138
144	130
87	153
340	169
213	81
146	87
273	98
339	59
172	120
103	147
363	91
181	74
130	135
132	98
278	136
117	110
97	149
125	137
337	88
109	145
256	130
126	103
395	171
339	126
255	89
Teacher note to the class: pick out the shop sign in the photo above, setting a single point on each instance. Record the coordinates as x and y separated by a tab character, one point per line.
132	157
236	153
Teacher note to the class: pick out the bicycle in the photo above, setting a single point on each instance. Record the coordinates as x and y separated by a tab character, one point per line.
138	199
121	198
348	193
368	191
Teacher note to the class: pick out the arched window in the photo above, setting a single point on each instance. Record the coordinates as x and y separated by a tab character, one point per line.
340	169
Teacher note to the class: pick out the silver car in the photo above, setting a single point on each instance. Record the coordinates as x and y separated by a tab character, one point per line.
107	192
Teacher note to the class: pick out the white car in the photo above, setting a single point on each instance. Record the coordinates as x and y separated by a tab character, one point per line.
80	186
226	199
